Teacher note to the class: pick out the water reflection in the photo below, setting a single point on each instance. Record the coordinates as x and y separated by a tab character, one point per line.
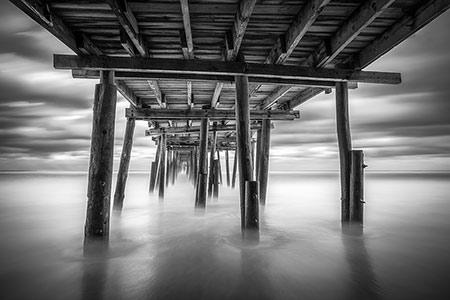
363	281
94	278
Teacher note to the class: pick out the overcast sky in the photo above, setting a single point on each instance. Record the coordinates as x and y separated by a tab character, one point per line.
45	115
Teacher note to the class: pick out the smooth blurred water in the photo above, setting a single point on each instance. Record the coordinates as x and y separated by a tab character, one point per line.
164	250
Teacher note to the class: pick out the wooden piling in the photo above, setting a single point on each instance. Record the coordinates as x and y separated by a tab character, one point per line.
345	146
251	210
264	160
243	138
216	179
356	204
162	167
154	169
227	167
122	174
220	167
258	153
211	161
101	161
233	178
200	200
168	166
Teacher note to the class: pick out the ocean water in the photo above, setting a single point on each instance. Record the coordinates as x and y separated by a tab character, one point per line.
165	250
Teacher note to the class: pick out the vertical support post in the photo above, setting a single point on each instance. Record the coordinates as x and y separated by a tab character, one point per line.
174	167
243	138
264	160
233	178
357	187
220	167
227	167
122	175
216	179
200	200
195	165
258	153
154	169
101	162
211	160
162	167
168	165
251	211
345	146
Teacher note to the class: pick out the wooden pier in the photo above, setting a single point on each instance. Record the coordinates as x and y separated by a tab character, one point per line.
211	78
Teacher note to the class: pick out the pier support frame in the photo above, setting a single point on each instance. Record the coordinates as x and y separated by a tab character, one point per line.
101	162
200	200
122	175
243	138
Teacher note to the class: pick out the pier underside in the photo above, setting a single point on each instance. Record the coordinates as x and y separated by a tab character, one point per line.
210	78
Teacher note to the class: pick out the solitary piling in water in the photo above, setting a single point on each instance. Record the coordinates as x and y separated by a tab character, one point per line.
101	161
357	187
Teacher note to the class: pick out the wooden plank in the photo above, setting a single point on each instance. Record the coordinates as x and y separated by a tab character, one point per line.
128	23
296	31
224	79
122	174
176	66
401	30
345	146
197	114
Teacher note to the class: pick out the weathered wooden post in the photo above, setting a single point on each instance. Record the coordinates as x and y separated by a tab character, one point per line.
345	146
168	164
162	167
357	187
264	160
227	167
233	178
154	168
243	138
216	179
258	153
251	211
220	167
200	200
195	165
123	166
211	160
101	162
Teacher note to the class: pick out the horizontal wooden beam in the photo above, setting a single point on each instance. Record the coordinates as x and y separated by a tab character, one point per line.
197	114
127	93
243	13
94	74
195	129
424	13
177	66
129	24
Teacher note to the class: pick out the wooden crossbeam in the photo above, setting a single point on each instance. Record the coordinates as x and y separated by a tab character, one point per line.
160	97
197	114
233	39
224	79
329	49
424	13
303	21
176	66
79	43
129	24
194	129
358	21
274	96
187	44
195	139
